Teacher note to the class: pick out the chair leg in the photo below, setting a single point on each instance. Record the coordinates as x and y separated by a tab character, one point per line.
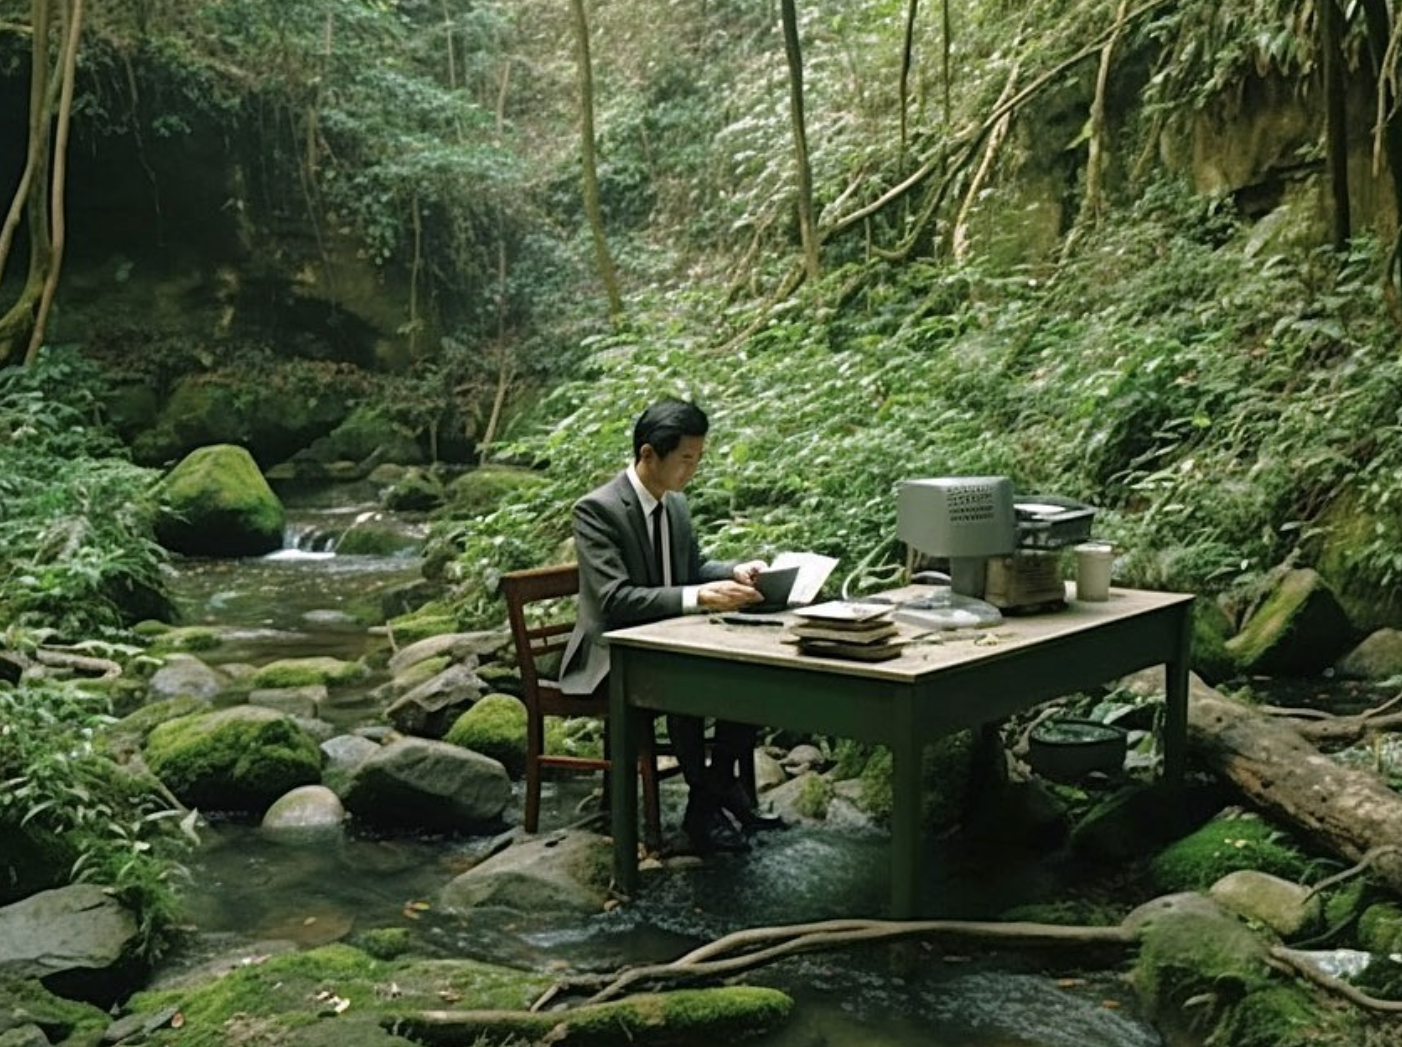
535	737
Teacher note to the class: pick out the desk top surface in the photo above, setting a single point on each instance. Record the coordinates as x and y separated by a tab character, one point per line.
923	651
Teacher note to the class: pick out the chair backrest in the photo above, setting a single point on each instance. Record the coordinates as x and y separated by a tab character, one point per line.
536	641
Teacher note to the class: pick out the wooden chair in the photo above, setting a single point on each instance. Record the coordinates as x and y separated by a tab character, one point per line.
543	697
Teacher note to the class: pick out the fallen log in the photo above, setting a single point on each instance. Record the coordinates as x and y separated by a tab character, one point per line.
1349	812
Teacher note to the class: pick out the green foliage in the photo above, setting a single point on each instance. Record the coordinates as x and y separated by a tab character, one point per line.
76	523
59	781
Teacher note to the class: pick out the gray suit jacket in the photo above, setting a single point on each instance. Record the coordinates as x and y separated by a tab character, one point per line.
617	582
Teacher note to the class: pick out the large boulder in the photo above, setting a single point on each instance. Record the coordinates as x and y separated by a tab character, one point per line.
1377	658
434	785
1348	529
273	418
1298	630
562	872
242	758
481	490
68	936
217	503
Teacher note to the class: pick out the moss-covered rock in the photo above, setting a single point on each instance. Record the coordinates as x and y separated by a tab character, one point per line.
494	726
377	535
365	432
482	490
1380	928
1198	964
217	503
946	775
1212	628
418	490
188	639
305	672
432	619
241	758
274	410
1348	526
1298	630
1222	846
129	734
63	1022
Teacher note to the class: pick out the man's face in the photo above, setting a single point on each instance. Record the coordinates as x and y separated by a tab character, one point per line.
674	472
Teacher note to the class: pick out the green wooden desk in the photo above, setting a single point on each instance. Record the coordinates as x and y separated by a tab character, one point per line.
695	664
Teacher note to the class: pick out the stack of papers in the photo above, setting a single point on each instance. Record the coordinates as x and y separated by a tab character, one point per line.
843	629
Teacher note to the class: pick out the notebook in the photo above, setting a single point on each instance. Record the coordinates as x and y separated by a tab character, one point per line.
775	586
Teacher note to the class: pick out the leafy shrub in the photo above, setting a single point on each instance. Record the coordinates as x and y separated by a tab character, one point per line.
58	782
76	533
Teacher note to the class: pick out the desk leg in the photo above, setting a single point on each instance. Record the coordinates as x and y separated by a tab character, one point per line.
907	809
1175	726
623	777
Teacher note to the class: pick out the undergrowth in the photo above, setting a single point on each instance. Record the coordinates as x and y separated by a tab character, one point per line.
1209	397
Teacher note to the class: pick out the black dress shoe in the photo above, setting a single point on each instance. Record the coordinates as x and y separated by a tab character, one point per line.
709	830
736	802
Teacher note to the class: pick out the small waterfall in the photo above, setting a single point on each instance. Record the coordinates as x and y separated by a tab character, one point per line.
306	539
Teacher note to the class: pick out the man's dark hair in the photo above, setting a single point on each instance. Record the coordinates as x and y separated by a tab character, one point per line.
665	423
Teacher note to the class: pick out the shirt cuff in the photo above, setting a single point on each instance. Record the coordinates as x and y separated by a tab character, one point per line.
691	601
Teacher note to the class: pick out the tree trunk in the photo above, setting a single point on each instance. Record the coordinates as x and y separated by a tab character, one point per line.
30	201
592	209
1349	812
1387	139
907	56
68	59
807	222
1335	115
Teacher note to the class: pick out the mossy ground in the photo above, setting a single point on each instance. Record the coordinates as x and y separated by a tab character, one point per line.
1227	845
336	993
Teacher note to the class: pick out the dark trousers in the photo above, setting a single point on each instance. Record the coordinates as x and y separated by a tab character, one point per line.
733	744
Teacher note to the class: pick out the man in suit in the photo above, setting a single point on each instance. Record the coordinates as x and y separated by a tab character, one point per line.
639	561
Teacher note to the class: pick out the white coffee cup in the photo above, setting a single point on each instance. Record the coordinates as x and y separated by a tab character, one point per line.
1093	563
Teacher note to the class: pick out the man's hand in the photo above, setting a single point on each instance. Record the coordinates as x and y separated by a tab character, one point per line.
727	596
747	572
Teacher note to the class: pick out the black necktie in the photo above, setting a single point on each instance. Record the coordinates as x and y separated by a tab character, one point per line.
657	554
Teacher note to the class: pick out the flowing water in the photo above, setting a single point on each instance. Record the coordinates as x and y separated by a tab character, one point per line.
249	890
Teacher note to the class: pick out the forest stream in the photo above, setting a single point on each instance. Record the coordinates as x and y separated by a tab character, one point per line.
249	894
